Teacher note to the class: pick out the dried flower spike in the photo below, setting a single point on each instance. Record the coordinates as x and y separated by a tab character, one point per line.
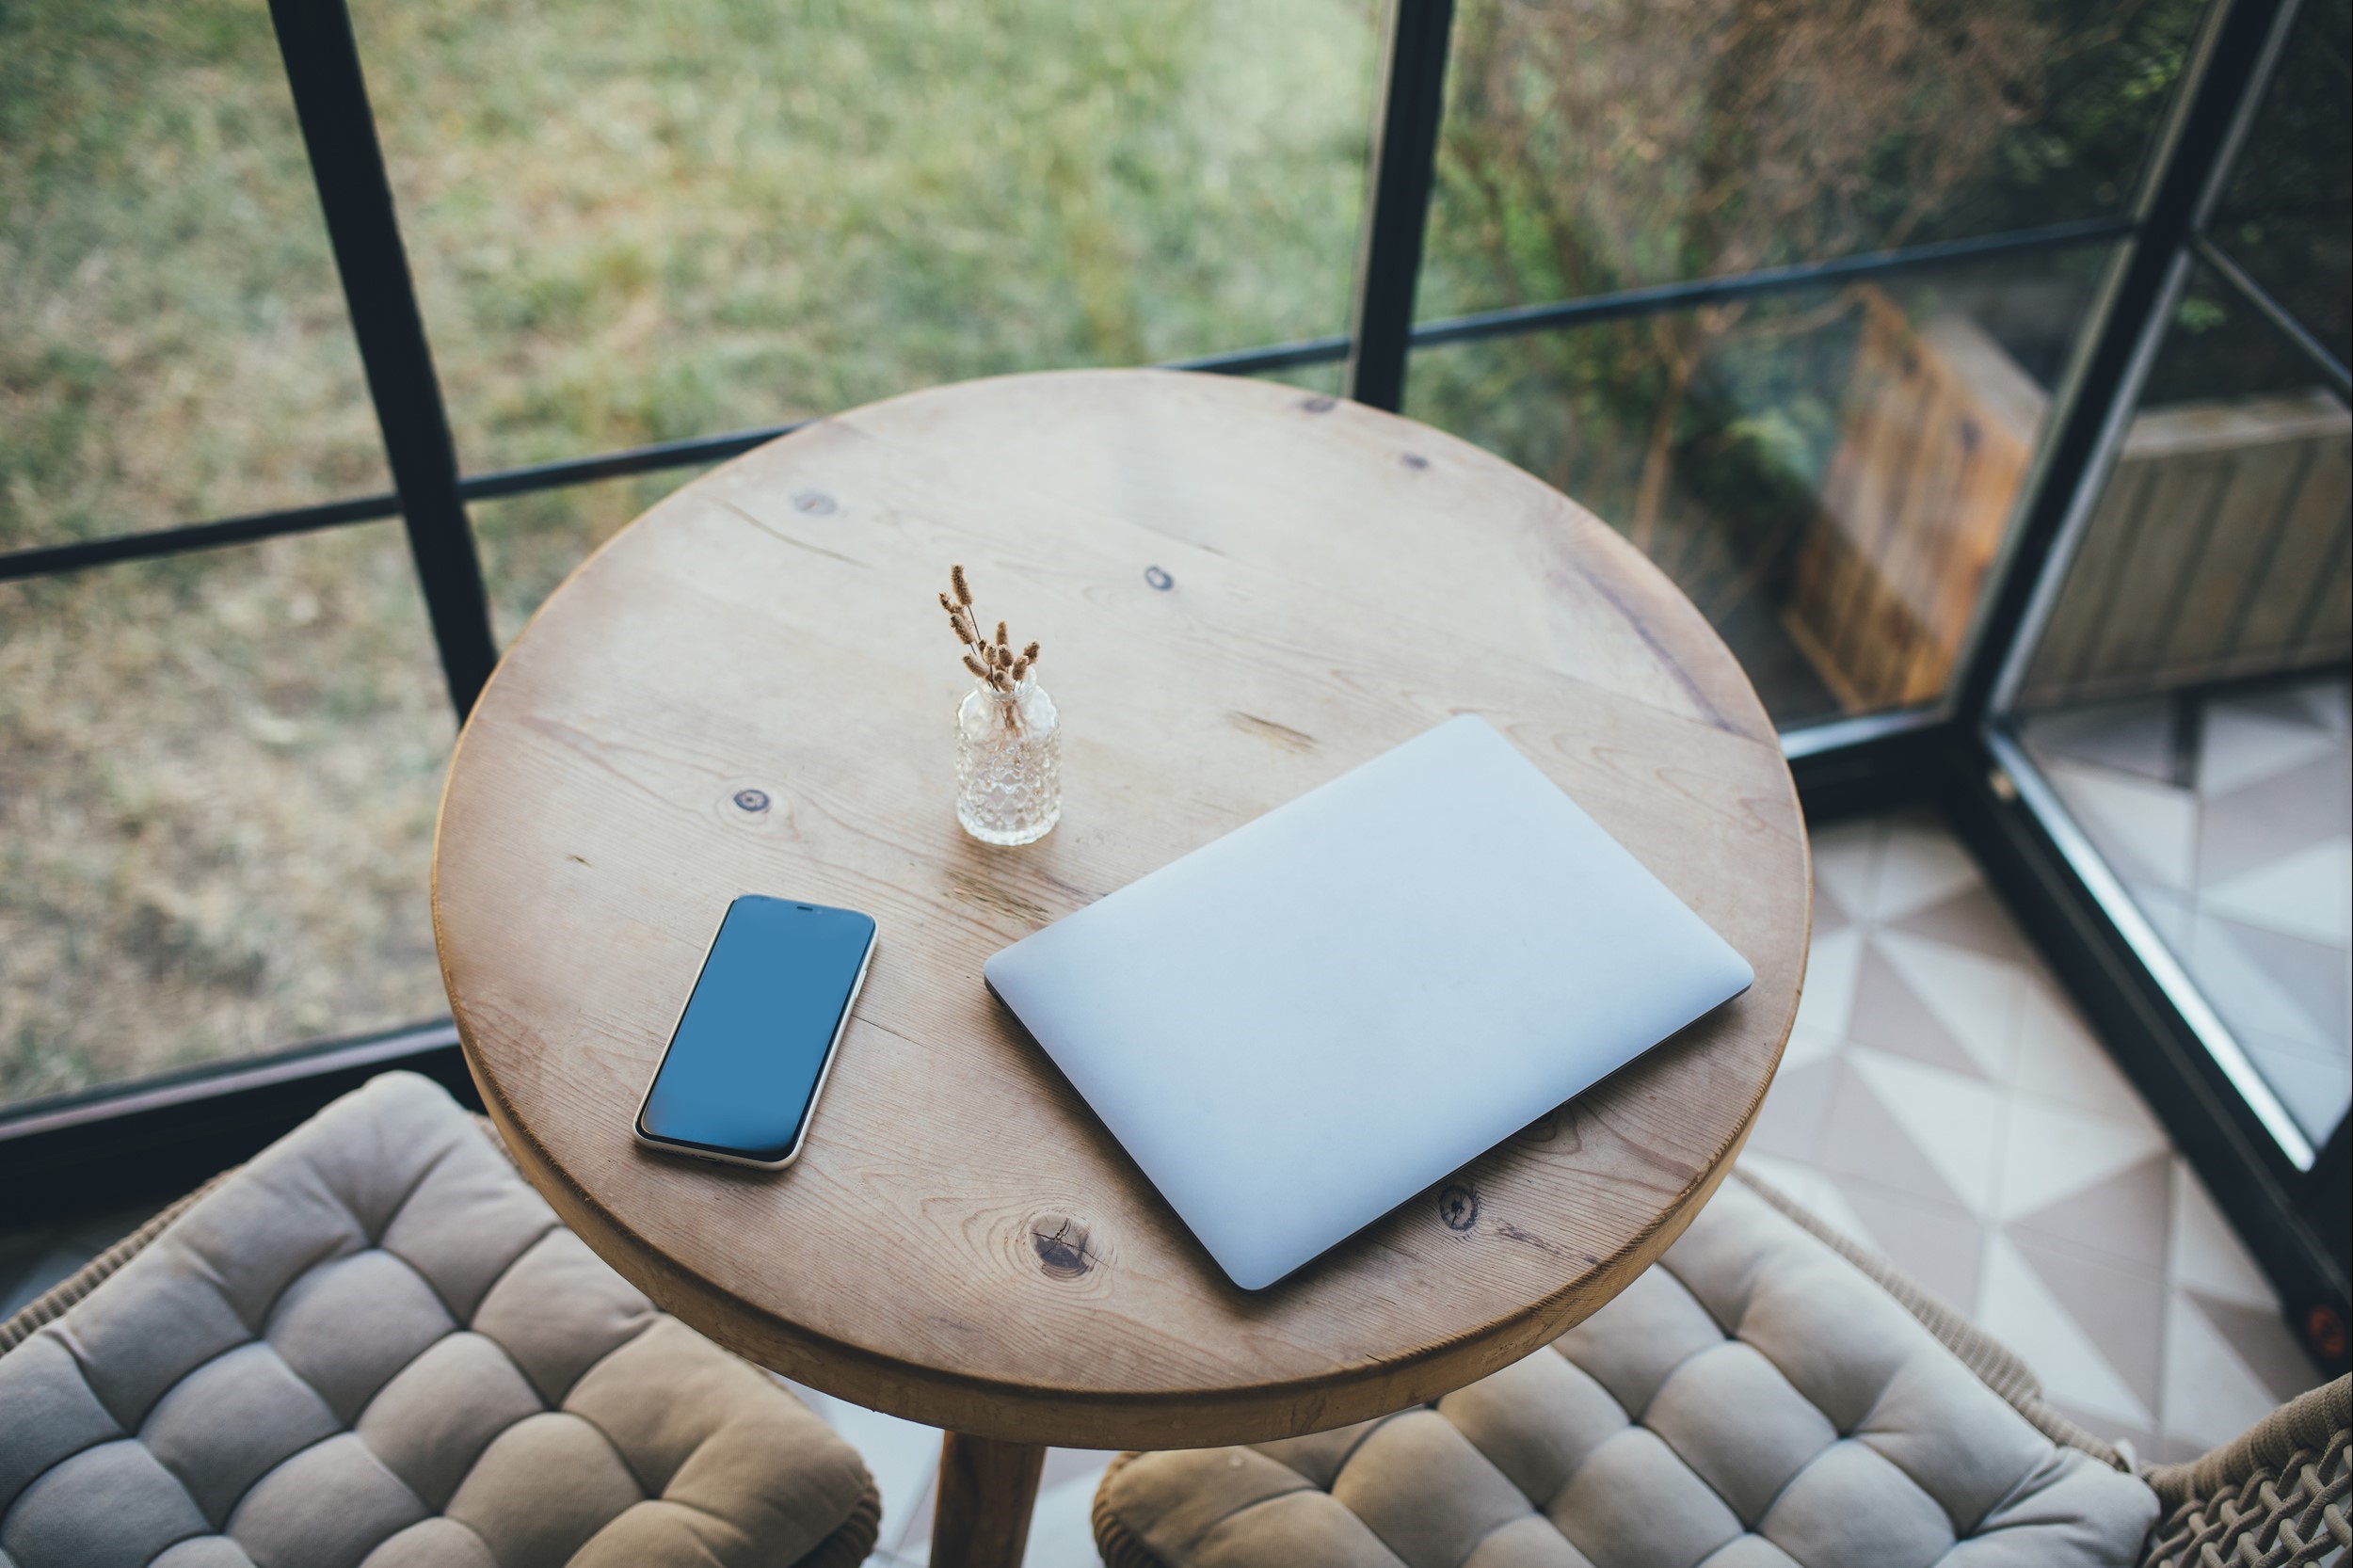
991	659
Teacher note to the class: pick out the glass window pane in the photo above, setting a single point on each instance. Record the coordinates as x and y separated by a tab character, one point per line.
2187	696
1597	145
530	543
638	222
173	345
2286	217
217	779
1827	474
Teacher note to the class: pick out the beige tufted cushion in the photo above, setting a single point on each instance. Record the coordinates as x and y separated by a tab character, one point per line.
1752	1400
375	1346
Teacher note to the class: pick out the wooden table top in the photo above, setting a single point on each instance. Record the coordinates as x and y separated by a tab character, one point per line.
1243	590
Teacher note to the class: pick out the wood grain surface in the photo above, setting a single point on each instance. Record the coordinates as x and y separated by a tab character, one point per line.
1243	590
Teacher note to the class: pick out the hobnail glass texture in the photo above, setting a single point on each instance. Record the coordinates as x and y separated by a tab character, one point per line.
1008	765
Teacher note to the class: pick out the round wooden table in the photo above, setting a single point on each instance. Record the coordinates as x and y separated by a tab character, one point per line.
1243	590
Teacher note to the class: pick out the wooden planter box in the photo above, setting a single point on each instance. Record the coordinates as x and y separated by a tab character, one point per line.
2218	549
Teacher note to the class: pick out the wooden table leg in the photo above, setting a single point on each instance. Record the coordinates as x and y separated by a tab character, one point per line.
987	1491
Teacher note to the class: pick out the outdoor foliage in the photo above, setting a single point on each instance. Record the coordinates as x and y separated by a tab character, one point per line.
1606	144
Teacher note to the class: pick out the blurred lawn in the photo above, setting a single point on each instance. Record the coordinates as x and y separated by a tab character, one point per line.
627	223
676	218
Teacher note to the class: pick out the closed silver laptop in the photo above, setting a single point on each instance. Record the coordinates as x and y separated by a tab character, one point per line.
1360	992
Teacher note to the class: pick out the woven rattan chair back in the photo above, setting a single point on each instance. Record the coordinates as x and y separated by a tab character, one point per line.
2273	1498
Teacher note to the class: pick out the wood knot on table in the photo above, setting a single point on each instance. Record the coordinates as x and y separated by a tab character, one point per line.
1060	1243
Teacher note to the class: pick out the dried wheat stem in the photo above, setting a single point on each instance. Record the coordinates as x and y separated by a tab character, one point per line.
992	660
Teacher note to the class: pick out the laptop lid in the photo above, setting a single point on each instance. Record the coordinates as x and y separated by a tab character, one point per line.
1299	1026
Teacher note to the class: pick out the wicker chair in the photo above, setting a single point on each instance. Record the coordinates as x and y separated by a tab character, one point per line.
376	1345
1767	1394
2273	1497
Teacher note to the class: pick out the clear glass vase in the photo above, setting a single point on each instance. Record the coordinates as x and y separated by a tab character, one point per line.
1008	765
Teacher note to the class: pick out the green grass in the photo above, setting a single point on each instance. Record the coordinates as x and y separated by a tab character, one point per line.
637	222
627	223
217	777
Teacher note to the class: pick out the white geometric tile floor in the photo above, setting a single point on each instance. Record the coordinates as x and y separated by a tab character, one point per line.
1942	1102
2228	815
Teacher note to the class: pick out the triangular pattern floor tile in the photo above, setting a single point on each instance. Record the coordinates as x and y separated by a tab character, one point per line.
2119	1307
2210	1395
2274	818
2147	830
2310	975
1969	1125
1790	1124
1889	1015
1954	1122
2308	893
1846	865
1860	1137
2244	743
1972	919
1920	864
2206	1256
2017	1308
2052	1152
2059	1061
1973	997
1940	1245
2262	1341
2127	1216
2136	737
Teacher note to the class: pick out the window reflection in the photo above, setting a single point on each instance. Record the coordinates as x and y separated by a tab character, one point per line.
1827	475
2187	697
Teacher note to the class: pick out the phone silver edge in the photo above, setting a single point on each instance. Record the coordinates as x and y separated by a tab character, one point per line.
816	1093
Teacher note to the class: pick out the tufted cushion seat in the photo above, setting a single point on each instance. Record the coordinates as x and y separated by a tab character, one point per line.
1752	1400
375	1347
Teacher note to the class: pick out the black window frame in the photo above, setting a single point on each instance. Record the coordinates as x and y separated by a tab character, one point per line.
157	1134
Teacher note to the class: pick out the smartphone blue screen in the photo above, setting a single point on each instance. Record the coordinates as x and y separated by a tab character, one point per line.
752	1044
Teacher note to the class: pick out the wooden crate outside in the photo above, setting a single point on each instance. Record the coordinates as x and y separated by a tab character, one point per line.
2217	550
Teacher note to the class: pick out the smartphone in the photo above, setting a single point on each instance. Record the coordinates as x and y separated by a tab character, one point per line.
740	1078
